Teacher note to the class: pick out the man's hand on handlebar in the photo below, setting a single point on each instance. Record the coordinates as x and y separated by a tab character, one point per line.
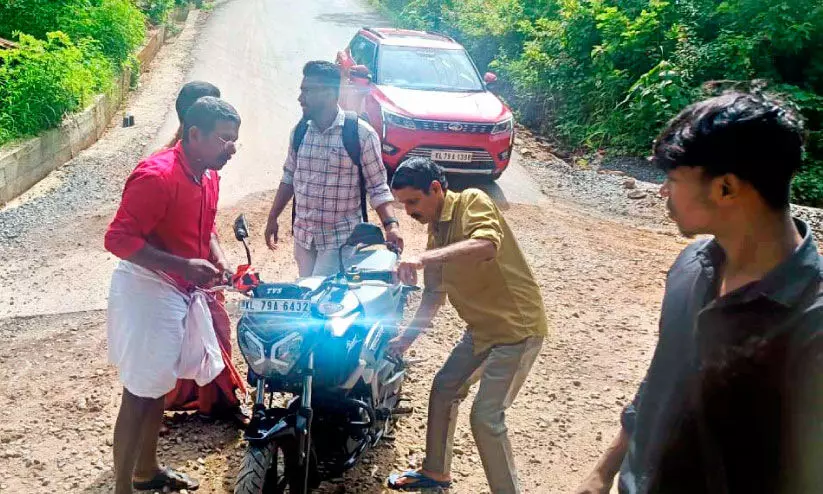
200	271
394	238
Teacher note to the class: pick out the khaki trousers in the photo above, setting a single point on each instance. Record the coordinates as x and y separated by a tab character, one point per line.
501	372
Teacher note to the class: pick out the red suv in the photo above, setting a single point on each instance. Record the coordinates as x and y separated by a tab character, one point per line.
425	97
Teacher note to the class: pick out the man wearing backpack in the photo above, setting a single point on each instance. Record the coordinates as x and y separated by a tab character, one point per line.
334	162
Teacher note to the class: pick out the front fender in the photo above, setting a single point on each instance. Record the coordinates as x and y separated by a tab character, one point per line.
277	423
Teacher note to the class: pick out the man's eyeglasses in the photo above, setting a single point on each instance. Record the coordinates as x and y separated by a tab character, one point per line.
226	142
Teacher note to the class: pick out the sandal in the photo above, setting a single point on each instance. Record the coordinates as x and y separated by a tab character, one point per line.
422	481
167	477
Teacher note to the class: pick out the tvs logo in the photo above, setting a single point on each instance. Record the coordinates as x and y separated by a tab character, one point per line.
455	127
274	291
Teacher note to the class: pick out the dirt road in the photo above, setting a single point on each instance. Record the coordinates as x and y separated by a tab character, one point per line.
601	279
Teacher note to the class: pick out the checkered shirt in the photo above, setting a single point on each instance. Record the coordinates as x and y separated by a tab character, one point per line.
326	183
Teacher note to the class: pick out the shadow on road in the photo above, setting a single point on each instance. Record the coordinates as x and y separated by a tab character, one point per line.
354	19
462	182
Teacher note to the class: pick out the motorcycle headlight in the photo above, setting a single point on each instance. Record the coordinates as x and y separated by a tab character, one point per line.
501	127
284	353
253	351
339	325
396	120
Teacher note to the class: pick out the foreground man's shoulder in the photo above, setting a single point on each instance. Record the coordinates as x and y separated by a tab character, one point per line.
699	249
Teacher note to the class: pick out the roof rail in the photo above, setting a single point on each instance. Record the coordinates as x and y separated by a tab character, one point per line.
373	31
435	33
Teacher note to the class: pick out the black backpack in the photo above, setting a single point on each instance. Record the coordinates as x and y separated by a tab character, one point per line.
351	141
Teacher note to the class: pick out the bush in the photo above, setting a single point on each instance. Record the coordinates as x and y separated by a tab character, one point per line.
69	50
611	73
157	11
34	17
116	26
42	81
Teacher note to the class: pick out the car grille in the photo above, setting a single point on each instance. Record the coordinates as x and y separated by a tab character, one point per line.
481	160
453	127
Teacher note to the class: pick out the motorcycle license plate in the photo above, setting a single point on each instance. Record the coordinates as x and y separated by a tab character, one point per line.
459	157
283	306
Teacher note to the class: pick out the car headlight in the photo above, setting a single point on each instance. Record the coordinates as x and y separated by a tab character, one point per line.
504	126
339	325
396	120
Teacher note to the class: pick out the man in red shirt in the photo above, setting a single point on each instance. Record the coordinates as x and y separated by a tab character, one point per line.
164	232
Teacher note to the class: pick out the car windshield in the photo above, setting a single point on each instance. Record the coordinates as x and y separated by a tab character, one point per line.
427	69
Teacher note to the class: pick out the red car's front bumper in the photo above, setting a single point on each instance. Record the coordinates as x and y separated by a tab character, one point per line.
490	153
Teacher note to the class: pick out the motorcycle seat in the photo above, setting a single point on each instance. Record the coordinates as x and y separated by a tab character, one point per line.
373	260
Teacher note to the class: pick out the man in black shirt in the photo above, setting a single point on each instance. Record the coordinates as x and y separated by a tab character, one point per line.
733	399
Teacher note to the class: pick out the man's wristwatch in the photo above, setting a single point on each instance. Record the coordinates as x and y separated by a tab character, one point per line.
388	223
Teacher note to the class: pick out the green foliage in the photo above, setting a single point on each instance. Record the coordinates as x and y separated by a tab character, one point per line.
611	73
135	68
157	11
35	17
41	81
116	26
69	50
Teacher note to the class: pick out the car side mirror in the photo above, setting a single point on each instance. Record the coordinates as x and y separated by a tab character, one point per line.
360	73
241	228
366	234
343	60
490	78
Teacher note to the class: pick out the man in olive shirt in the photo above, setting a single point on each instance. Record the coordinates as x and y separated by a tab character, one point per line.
473	258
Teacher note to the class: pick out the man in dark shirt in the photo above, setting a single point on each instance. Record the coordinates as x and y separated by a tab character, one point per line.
733	399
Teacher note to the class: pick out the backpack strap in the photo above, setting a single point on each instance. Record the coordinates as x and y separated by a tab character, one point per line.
351	141
297	141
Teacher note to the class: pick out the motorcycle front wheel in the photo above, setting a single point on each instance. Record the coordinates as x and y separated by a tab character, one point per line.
272	469
263	471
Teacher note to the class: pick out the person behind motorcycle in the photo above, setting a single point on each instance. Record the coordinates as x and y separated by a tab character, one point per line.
189	93
164	232
218	399
324	180
472	257
733	399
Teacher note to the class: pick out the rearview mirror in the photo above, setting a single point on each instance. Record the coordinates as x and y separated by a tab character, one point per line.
490	78
241	228
366	234
341	59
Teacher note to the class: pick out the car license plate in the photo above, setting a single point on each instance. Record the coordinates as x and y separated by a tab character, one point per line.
461	157
275	305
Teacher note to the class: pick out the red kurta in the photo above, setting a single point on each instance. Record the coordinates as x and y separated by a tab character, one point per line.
163	206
